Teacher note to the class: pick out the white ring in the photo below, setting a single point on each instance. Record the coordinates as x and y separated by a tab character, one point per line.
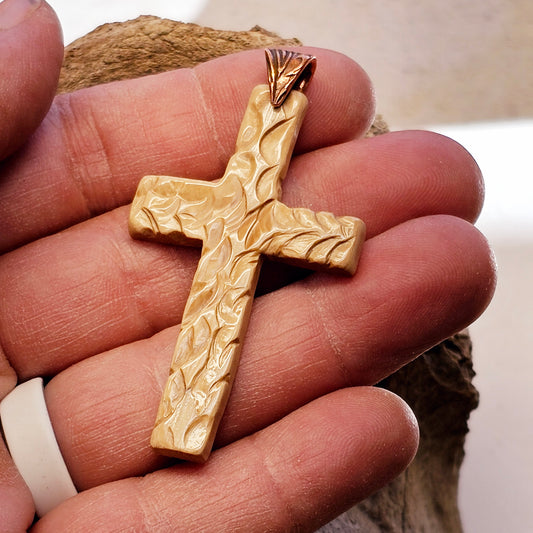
33	446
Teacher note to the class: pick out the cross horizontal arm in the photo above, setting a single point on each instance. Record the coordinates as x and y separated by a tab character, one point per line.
306	238
172	210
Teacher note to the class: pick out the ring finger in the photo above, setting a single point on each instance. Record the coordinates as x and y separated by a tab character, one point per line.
417	284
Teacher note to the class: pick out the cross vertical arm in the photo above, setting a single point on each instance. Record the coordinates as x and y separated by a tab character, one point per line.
264	145
207	352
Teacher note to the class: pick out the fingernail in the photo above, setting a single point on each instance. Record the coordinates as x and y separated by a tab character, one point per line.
12	12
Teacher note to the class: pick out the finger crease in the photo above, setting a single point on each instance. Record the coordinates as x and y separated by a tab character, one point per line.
209	116
127	275
87	162
277	490
329	334
8	376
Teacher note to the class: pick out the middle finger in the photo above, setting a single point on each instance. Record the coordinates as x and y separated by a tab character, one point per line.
92	288
417	284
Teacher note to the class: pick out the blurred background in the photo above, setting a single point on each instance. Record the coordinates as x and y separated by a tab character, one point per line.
463	68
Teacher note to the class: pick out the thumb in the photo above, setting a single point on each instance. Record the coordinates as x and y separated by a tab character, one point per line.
31	52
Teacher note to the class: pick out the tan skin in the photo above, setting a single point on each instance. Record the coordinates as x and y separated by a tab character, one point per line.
305	435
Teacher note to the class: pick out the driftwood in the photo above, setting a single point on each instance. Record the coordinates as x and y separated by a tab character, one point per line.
438	385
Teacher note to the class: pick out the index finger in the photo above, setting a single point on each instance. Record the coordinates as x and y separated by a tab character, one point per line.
30	59
94	146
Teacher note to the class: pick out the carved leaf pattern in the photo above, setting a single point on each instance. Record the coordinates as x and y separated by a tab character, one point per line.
166	209
238	218
302	236
208	346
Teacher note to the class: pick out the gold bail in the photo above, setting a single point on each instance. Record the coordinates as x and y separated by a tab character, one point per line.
287	71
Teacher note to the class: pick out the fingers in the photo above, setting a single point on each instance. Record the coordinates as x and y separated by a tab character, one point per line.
31	52
17	510
349	443
96	144
389	179
417	284
96	273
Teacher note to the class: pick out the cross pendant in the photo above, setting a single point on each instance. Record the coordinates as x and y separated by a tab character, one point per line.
236	219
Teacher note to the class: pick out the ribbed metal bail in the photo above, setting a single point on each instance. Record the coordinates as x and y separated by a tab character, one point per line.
287	71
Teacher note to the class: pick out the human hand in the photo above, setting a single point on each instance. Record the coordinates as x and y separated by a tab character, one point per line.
304	436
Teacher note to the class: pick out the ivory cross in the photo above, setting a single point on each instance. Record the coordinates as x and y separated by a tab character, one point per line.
236	219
